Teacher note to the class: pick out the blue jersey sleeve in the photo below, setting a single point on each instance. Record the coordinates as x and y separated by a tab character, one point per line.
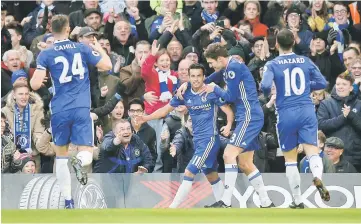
91	57
41	62
217	100
215	77
317	80
175	102
268	75
234	76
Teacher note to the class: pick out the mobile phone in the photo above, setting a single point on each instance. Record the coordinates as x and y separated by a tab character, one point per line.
220	23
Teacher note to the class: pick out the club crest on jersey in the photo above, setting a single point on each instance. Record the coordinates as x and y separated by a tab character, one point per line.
137	152
95	53
221	100
204	98
230	75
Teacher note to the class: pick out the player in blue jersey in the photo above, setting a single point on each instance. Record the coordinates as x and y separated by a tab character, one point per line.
203	112
295	77
242	92
67	62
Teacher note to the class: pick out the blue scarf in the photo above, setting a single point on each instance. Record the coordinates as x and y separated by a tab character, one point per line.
340	38
156	24
133	25
211	18
22	128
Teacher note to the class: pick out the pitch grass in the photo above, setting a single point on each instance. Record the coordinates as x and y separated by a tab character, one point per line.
183	216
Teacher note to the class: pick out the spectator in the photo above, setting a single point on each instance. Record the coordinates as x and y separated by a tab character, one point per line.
130	75
243	32
349	55
15	31
123	152
26	164
355	70
131	13
156	5
237	52
9	19
93	19
5	35
115	116
172	124
252	12
318	15
193	9
144	132
24	111
339	116
183	70
9	154
191	53
77	18
302	36
11	63
318	96
182	144
118	61
209	13
334	148
235	11
174	50
356	45
327	163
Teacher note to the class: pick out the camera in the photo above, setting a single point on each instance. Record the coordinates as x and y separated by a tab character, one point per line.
220	23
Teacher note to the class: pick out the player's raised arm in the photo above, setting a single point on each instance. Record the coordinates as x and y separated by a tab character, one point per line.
104	63
233	77
215	77
40	73
266	83
317	80
161	112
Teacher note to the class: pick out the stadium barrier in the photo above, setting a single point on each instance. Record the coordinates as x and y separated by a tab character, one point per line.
41	191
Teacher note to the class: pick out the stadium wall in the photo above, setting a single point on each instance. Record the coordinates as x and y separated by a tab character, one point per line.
23	191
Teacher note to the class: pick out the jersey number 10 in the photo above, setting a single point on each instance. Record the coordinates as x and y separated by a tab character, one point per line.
290	81
76	68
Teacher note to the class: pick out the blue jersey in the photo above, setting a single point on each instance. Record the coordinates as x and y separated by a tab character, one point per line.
203	111
241	90
67	63
295	77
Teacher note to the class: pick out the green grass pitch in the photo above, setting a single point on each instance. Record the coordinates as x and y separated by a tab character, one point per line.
183	216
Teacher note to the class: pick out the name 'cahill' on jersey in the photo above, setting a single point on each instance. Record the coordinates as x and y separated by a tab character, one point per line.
67	63
203	111
295	76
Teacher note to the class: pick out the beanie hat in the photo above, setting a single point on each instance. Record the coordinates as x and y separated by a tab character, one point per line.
237	50
189	49
18	74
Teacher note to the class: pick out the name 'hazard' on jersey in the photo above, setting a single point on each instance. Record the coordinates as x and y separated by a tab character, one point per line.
203	111
295	77
67	63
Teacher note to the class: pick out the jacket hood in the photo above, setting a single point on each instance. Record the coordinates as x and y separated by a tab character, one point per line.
349	98
34	99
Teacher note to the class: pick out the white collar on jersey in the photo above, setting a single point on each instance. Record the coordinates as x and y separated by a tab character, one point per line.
229	60
59	41
291	53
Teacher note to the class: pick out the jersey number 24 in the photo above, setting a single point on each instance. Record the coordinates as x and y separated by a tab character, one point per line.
76	68
290	81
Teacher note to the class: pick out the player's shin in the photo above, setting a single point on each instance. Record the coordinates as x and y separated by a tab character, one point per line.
294	180
182	192
255	178
86	157
63	176
231	172
218	188
316	166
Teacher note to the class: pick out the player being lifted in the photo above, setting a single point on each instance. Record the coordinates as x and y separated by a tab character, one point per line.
295	77
70	106
203	112
241	91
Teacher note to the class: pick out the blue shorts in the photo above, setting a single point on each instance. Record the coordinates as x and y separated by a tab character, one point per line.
72	126
297	125
205	155
245	135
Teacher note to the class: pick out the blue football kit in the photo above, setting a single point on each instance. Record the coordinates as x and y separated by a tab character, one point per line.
67	63
203	111
295	77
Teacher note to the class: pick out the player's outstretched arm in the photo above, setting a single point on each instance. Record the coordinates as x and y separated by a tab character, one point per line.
38	78
161	112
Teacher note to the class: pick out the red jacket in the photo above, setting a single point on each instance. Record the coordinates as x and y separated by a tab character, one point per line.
150	77
259	29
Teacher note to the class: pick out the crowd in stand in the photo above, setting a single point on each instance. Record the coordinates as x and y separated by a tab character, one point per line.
144	79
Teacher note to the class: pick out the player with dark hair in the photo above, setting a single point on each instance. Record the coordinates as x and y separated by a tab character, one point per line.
203	111
295	77
70	106
242	92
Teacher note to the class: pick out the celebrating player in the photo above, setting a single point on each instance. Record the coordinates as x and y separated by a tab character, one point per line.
203	111
295	78
70	106
241	90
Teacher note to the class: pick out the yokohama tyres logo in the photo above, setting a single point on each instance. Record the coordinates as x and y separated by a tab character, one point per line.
168	190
